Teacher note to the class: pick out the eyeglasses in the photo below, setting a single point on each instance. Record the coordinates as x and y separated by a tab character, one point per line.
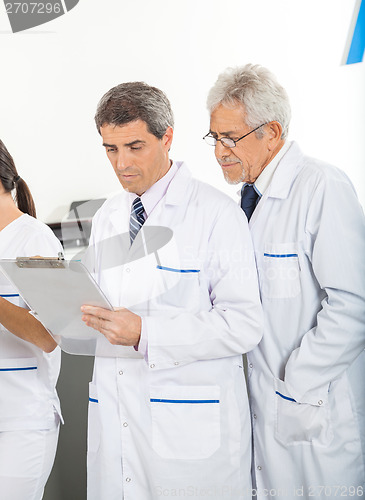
227	142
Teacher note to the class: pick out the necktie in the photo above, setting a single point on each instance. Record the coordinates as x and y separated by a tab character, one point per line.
136	220
249	200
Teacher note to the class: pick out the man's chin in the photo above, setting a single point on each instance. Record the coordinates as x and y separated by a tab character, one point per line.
232	180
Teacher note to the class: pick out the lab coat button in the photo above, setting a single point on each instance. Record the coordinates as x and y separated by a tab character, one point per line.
127	270
255	416
125	424
152	366
128	479
259	467
120	372
176	363
250	365
320	402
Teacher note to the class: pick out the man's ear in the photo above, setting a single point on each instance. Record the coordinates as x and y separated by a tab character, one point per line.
274	131
167	138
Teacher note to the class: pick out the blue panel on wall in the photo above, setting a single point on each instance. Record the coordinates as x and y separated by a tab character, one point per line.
357	46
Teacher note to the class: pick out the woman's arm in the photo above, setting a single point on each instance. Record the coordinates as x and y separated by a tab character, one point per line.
25	326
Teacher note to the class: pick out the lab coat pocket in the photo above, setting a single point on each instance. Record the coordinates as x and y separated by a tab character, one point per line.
185	421
19	384
181	289
300	423
93	430
280	275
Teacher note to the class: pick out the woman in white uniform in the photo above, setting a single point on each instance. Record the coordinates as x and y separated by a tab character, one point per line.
29	357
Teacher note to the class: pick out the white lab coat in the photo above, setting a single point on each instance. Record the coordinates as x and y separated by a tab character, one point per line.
309	239
28	397
29	406
145	448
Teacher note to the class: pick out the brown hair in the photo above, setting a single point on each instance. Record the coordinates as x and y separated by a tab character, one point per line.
132	101
11	180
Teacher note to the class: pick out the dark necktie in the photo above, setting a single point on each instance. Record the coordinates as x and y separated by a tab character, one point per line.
249	200
136	220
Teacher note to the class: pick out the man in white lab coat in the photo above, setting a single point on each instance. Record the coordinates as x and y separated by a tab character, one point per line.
306	377
168	413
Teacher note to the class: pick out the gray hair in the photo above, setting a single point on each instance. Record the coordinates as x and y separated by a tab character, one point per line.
133	101
258	90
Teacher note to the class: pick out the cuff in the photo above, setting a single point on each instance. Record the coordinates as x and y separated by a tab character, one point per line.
143	341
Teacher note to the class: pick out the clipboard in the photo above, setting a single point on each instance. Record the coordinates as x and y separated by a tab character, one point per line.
55	289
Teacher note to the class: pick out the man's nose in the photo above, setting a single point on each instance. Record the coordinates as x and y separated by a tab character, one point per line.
122	160
221	151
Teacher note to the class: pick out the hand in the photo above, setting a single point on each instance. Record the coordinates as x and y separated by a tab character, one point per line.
120	327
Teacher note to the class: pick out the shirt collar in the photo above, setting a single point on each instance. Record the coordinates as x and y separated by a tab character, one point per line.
156	192
264	179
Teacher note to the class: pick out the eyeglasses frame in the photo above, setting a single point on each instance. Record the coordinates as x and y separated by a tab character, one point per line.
234	141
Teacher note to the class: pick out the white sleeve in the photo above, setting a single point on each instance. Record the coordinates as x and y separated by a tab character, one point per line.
43	243
336	226
234	323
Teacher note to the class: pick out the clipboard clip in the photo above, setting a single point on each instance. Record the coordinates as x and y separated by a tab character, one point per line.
42	262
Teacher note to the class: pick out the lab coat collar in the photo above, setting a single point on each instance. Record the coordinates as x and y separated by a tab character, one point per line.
282	179
264	179
176	192
285	173
120	201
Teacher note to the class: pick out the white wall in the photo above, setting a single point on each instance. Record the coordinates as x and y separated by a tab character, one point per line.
53	76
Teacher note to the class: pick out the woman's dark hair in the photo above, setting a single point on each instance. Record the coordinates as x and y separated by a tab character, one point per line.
11	180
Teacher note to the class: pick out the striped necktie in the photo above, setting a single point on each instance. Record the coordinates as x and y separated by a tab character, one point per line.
249	200
136	220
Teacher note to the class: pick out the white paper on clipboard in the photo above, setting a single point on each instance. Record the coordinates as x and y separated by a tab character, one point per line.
55	289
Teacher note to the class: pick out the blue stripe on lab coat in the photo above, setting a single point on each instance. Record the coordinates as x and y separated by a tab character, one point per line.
285	397
185	401
18	369
178	270
280	255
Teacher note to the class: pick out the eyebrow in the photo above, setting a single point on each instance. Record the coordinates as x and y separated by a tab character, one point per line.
224	134
137	141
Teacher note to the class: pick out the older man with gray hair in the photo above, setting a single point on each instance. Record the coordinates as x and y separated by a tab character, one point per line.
307	375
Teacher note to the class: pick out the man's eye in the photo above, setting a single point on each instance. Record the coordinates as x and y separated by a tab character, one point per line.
136	148
110	150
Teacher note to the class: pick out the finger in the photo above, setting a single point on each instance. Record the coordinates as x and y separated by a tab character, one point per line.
95	322
99	325
99	312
